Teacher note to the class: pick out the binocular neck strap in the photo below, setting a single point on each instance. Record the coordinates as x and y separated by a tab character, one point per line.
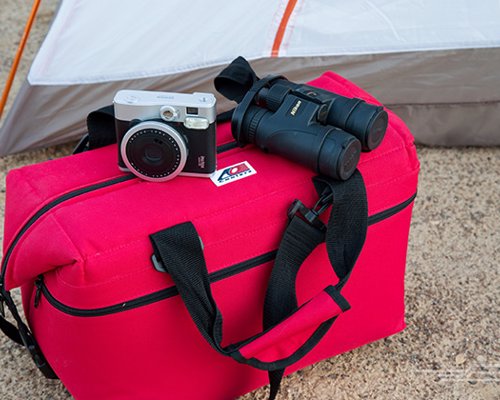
236	80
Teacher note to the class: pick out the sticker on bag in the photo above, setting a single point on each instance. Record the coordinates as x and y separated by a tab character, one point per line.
232	173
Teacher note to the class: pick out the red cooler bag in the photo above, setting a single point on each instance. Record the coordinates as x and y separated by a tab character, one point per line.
188	290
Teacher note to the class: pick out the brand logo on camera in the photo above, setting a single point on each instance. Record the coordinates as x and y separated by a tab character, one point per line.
232	173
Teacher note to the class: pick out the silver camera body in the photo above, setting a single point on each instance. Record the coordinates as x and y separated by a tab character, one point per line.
161	135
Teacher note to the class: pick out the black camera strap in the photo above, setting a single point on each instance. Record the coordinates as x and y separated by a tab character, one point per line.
233	82
101	128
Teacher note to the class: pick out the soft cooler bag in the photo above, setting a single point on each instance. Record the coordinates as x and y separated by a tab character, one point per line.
186	290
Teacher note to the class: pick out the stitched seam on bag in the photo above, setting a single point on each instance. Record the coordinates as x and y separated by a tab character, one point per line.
56	220
85	259
23	238
25	221
223	211
244	234
60	227
44	202
149	266
396	179
383	155
201	217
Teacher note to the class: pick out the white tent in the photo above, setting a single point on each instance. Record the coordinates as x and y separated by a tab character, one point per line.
434	62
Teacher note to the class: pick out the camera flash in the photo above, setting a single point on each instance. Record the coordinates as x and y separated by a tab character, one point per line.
196	123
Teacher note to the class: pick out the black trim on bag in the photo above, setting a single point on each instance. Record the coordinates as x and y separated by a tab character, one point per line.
373	219
172	291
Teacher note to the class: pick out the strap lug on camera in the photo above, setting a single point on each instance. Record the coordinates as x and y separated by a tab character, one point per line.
83	145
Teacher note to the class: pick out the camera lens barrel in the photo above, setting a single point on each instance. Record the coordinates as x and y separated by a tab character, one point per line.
365	121
153	151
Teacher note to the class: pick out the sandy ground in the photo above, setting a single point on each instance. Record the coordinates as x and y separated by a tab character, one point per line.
451	348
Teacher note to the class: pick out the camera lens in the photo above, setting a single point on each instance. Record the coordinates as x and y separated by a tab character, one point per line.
153	154
154	151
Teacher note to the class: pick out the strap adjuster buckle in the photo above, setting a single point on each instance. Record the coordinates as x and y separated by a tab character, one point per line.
35	353
310	216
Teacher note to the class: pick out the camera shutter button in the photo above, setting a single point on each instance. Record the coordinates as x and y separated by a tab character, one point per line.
168	113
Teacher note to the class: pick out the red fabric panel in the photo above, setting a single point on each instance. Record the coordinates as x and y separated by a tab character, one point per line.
276	343
94	252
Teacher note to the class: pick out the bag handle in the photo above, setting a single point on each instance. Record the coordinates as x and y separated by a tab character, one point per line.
180	251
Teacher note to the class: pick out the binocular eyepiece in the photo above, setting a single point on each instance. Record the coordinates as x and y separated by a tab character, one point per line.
314	127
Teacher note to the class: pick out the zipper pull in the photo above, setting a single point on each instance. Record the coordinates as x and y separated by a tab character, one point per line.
38	294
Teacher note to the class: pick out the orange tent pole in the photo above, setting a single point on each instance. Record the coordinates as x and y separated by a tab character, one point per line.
19	53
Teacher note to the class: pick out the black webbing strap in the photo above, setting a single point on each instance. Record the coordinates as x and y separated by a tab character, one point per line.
22	335
180	251
345	236
348	222
100	130
10	330
101	127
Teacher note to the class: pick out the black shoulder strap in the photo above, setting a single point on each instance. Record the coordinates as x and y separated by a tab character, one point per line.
180	251
345	236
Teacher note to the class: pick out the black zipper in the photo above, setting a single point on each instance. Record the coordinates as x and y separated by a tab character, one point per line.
149	298
70	195
48	207
380	216
159	295
172	291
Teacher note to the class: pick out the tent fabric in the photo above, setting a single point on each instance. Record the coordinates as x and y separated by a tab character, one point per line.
434	63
